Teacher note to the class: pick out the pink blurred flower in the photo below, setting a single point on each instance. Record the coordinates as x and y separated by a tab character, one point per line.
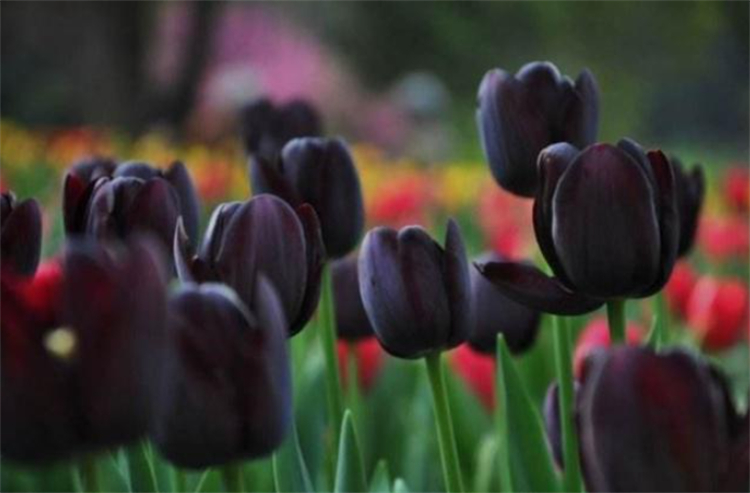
724	238
679	287
368	357
477	370
506	221
717	311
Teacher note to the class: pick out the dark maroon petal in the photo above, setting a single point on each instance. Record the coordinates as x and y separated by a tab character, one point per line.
690	188
136	169
582	118
651	422
323	174
315	256
457	286
7	203
351	319
532	288
552	423
300	119
258	121
214	235
267	176
76	196
183	259
100	219
177	175
669	220
495	313
155	208
265	235
21	238
553	161
605	224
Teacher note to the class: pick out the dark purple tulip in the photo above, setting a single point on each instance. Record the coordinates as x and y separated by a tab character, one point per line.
226	390
266	127
266	236
416	293
519	115
658	422
351	319
496	313
20	234
320	172
552	420
691	187
81	348
605	220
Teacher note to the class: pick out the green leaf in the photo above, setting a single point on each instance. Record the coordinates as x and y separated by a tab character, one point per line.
657	336
486	460
142	472
289	469
381	479
525	461
350	472
399	486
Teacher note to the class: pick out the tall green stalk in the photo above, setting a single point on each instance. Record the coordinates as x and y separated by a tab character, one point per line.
89	474
233	479
446	436
327	319
616	319
572	469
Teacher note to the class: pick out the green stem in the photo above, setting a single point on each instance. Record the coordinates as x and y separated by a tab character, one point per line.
616	318
89	474
233	479
180	482
572	468
328	339
446	437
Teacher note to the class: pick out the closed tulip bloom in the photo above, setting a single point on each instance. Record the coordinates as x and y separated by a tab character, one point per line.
20	234
415	292
266	236
351	319
85	179
226	391
552	425
320	172
690	187
265	127
495	313
81	344
659	422
519	115
606	221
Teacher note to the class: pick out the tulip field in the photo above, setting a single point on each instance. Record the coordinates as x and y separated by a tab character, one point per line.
285	310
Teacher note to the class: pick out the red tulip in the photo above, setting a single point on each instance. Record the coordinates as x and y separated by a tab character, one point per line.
679	287
717	311
724	238
478	371
368	358
596	335
737	188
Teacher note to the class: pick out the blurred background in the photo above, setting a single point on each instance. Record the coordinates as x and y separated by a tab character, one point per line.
403	76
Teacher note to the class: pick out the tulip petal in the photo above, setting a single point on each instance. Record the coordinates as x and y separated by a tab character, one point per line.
177	175
182	257
154	208
351	319
76	196
315	254
267	176
457	286
582	118
21	238
605	224
531	287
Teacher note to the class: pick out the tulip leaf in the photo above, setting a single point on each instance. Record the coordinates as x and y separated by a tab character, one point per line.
350	471
142	472
657	336
525	461
399	486
290	472
486	459
381	479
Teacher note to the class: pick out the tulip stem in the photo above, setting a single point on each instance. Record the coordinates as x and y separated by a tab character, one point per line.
446	437
333	379
572	467
233	479
616	318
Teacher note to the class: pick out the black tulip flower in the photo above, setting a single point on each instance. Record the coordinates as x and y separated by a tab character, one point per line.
606	221
659	422
81	344
20	234
416	293
691	188
552	423
226	391
320	172
519	115
351	319
496	313
266	128
85	179
266	236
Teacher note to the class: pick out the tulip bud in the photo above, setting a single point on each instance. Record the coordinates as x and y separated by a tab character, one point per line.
20	234
520	115
495	313
657	422
226	391
320	172
478	371
266	128
415	292
266	236
605	220
717	312
351	320
81	348
690	191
